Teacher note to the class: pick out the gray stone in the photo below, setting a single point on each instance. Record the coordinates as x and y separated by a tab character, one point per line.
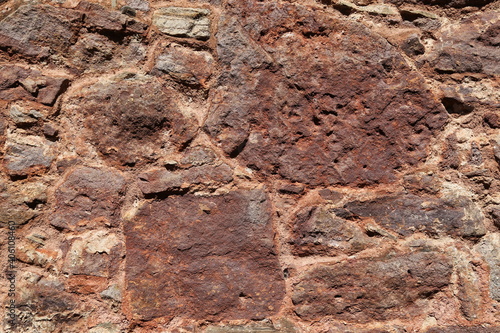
22	117
489	247
113	292
183	22
22	158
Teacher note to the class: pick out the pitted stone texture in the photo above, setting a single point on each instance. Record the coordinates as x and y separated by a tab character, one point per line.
363	290
183	22
407	214
213	258
131	118
317	231
87	198
320	107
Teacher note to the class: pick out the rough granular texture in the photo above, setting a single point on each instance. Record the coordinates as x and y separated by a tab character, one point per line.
224	166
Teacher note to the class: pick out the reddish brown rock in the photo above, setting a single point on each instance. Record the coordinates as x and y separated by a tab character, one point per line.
213	258
320	108
131	117
19	83
88	197
462	329
163	181
37	30
192	68
378	289
84	284
407	214
316	230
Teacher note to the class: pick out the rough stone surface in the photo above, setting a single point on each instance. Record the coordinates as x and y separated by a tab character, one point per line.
183	22
315	166
407	214
225	241
332	126
376	288
88	197
137	116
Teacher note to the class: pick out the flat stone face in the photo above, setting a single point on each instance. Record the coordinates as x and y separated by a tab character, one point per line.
183	22
22	159
407	214
213	258
489	247
362	290
88	197
322	108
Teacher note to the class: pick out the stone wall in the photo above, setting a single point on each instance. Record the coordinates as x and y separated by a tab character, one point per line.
227	166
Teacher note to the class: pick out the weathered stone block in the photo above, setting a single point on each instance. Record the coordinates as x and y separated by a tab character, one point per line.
130	116
183	22
22	159
489	247
407	213
88	197
379	289
314	115
214	258
317	231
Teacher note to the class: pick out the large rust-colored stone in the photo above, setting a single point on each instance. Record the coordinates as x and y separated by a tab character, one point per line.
320	107
203	257
88	197
407	214
131	118
378	289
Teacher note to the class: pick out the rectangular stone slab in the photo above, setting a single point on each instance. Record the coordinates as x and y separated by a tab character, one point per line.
203	257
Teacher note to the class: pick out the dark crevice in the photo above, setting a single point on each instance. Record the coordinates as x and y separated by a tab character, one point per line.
236	151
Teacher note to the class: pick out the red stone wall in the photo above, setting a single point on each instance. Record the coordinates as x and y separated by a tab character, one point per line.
227	166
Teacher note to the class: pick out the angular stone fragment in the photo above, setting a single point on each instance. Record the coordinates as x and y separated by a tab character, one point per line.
88	197
216	263
407	214
19	83
320	108
183	22
193	68
466	47
489	247
34	30
378	289
130	118
317	231
464	329
21	117
163	181
22	159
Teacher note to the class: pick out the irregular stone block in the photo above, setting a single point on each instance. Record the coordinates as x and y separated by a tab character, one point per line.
163	181
23	160
489	247
193	68
317	231
378	289
88	197
312	115
216	263
462	329
183	22
30	30
130	116
407	214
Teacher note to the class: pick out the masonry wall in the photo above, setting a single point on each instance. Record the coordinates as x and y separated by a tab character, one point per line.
250	166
